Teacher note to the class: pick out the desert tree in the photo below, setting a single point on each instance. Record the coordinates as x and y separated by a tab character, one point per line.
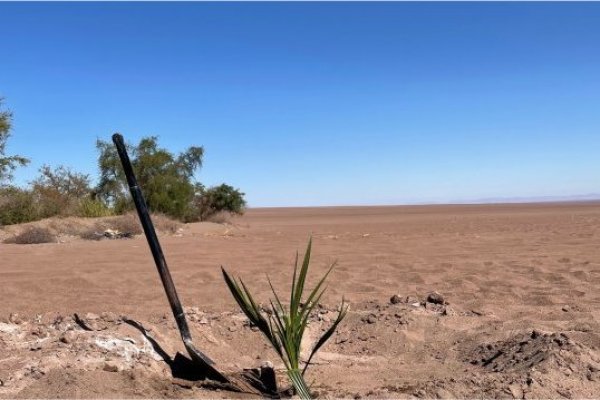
166	178
7	163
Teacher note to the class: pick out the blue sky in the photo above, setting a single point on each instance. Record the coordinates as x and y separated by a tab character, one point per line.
318	103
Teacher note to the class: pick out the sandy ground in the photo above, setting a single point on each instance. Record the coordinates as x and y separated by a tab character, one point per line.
520	283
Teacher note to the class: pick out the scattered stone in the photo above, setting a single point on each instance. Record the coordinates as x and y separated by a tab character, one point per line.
566	308
448	311
372	318
516	391
110	366
323	318
395	299
35	346
109	317
15	318
68	337
92	316
8	328
39	331
442	393
435	298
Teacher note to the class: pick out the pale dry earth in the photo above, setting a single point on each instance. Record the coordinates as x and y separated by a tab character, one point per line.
521	283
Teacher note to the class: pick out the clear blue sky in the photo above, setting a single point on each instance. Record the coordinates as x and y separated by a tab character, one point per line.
318	103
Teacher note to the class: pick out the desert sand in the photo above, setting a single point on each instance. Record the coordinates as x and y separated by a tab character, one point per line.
519	317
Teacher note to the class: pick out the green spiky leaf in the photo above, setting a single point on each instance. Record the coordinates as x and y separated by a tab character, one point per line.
285	328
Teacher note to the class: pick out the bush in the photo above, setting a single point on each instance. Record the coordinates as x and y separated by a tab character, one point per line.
222	199
60	191
33	235
90	208
17	206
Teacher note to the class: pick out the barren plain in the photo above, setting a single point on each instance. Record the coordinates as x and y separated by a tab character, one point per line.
518	316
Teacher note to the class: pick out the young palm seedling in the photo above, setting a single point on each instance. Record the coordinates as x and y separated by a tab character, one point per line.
285	327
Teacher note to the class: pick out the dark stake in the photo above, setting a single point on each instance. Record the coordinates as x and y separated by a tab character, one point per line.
200	359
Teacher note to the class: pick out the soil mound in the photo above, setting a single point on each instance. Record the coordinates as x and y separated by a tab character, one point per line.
544	352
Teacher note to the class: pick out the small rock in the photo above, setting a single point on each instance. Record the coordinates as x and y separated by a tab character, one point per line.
435	298
92	316
323	318
68	337
35	346
566	308
109	316
232	329
448	311
442	393
516	391
111	367
372	318
363	336
412	299
395	299
15	318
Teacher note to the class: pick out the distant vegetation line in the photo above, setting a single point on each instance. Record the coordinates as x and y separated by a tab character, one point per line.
167	180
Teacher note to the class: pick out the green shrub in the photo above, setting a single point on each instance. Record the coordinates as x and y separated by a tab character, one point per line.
222	199
17	206
91	208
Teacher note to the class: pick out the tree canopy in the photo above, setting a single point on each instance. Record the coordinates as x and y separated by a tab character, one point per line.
166	178
7	163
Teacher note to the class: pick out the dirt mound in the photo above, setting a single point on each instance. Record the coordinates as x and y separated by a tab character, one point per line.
68	229
544	352
48	343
